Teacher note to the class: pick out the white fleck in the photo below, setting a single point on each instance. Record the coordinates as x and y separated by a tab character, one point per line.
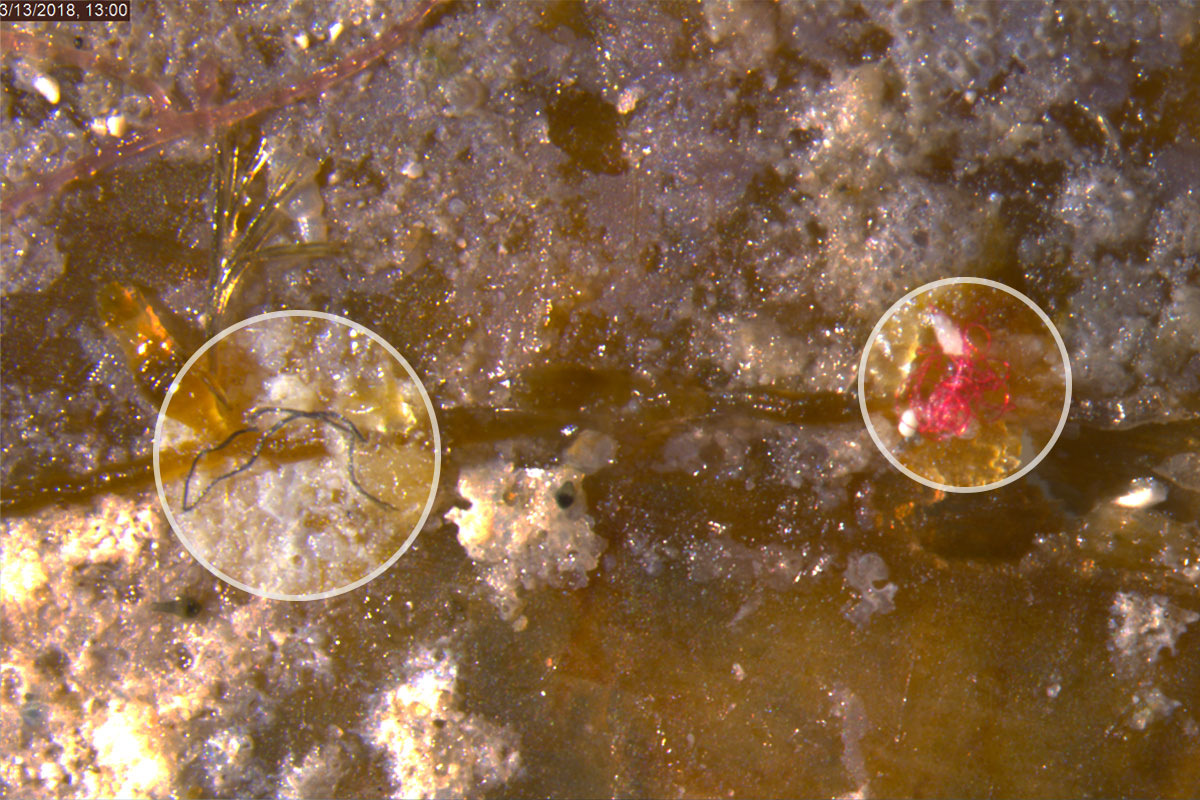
738	672
949	337
335	30
412	169
908	423
47	87
1142	493
116	125
627	100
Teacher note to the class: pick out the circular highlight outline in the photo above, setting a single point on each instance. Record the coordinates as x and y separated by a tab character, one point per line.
862	381
433	486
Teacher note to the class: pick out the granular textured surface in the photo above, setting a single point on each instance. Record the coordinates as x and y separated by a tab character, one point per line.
634	251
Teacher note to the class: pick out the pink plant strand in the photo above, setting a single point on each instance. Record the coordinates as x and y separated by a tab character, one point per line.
946	392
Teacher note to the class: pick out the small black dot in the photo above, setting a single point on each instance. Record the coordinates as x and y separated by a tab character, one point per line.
565	496
191	607
182	607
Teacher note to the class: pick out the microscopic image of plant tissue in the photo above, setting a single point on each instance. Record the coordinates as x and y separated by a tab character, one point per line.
648	539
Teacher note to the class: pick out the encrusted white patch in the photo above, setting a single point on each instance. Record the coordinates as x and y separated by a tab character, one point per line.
848	708
1144	626
434	748
525	529
862	572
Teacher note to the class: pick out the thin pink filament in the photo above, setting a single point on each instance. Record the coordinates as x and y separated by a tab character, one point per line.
947	392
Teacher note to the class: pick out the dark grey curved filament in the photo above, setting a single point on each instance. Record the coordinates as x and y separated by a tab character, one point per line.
330	418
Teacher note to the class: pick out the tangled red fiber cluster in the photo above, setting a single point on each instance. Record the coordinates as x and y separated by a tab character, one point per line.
947	391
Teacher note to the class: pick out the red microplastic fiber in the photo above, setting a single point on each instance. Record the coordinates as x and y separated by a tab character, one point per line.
946	392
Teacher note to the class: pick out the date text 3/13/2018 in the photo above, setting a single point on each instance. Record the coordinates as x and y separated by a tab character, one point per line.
64	12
